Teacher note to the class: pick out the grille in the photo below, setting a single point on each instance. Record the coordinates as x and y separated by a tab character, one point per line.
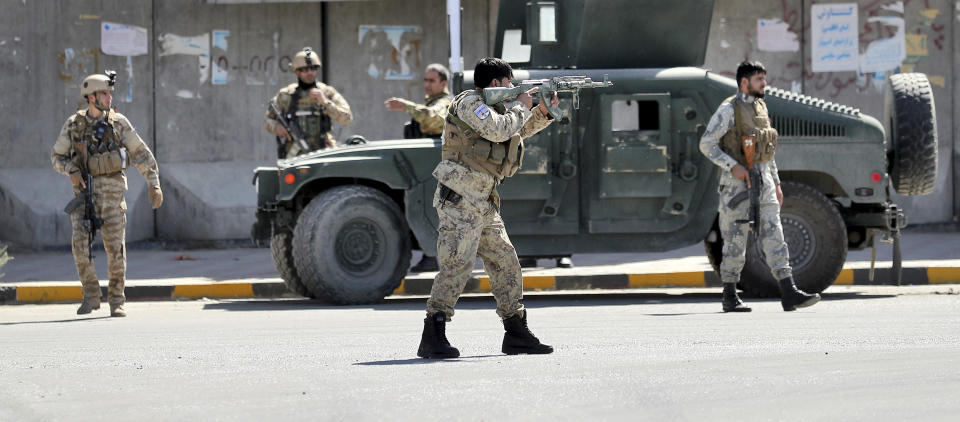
797	128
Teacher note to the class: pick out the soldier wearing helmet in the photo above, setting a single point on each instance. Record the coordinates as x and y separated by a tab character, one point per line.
310	106
100	143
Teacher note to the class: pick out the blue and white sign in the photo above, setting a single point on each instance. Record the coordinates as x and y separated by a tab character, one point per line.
835	44
117	39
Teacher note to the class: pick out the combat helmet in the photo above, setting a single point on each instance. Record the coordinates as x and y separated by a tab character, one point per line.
305	58
97	82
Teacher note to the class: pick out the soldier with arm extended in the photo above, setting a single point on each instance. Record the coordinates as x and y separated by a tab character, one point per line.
482	145
310	105
743	120
97	144
426	121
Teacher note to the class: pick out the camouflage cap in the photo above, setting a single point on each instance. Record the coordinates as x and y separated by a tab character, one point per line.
306	58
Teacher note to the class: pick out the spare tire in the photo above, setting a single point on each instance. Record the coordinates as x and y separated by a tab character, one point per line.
910	112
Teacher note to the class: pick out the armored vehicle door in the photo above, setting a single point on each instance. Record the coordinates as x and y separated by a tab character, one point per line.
543	197
647	165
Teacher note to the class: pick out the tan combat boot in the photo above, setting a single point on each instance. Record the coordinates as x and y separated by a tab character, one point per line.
89	305
116	310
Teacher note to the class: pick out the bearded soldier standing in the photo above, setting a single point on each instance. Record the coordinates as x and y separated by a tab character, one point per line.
95	146
309	106
742	120
482	145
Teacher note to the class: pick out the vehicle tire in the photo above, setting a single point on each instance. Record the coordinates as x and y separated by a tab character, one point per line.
351	245
816	238
281	247
912	117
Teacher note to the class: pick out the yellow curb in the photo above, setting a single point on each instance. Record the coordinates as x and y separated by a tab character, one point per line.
541	282
686	279
399	289
943	275
49	293
225	290
845	277
484	285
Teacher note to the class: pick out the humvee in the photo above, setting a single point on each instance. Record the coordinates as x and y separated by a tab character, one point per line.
620	173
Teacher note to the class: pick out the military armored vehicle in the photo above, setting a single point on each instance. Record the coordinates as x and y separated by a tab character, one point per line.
621	173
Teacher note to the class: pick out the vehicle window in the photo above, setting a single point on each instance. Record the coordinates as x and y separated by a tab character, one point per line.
630	115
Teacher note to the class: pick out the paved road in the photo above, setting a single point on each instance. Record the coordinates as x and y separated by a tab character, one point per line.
868	354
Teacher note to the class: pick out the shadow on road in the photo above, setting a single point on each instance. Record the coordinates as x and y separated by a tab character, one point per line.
421	361
55	322
486	301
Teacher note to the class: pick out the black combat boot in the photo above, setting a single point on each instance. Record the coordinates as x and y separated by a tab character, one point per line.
731	301
791	298
518	338
433	343
427	263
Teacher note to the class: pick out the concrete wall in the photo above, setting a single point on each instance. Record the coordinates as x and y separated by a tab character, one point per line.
198	96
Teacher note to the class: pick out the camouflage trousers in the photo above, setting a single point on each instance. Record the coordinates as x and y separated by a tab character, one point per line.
111	207
469	229
735	234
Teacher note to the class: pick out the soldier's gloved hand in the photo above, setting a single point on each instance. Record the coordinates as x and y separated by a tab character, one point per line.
77	180
156	196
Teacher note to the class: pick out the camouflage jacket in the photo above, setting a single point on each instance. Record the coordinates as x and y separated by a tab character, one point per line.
430	115
721	122
64	158
336	108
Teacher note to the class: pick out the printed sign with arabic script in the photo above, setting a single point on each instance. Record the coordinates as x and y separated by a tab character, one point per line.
834	31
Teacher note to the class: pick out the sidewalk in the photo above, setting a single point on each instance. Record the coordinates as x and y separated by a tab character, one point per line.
929	258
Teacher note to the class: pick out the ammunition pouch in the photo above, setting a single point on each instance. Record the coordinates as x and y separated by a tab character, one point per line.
464	145
109	162
766	144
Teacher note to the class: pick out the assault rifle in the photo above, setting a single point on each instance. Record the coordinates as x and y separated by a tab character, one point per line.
547	87
753	191
299	144
91	221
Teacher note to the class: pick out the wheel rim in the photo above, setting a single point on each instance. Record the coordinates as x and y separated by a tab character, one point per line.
801	242
359	246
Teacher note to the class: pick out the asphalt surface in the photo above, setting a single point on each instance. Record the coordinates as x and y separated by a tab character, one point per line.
863	353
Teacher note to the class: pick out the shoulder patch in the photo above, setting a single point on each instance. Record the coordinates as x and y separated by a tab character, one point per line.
482	112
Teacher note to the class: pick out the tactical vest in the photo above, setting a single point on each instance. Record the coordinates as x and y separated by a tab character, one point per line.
464	145
99	144
308	115
750	120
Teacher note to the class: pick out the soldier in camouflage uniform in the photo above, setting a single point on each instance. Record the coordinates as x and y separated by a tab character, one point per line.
745	116
482	145
310	105
428	118
426	121
105	153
